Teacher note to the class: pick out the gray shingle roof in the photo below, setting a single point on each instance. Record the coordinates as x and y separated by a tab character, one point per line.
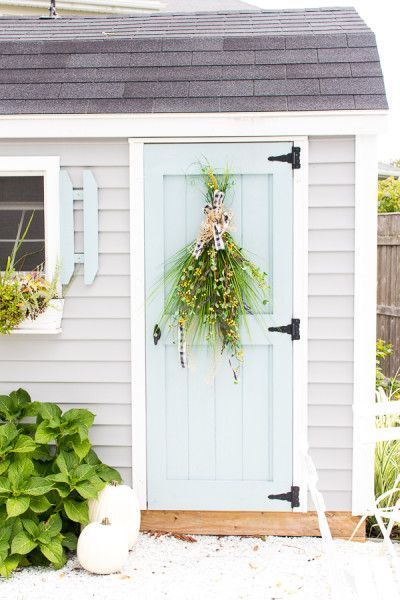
312	59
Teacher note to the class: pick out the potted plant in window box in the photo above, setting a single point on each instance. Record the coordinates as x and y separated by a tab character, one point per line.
42	308
29	302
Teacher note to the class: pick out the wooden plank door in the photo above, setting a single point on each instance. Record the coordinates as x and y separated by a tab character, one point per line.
211	444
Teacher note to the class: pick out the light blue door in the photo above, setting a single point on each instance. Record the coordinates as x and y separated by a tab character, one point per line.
211	444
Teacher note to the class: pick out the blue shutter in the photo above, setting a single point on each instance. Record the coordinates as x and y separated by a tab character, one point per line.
91	227
67	228
90	255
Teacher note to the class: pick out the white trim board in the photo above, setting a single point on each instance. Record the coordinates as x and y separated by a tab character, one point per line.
300	310
193	125
49	168
87	6
138	331
365	269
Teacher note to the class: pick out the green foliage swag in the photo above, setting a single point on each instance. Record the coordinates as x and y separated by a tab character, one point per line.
48	471
213	293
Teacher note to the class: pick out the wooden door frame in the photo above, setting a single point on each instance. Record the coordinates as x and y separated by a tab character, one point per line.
137	294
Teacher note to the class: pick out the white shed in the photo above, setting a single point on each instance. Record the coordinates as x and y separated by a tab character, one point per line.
119	110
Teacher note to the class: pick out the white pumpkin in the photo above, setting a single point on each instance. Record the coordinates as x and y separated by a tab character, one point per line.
120	504
102	548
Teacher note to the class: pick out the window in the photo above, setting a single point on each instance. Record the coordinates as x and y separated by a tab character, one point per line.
29	193
22	204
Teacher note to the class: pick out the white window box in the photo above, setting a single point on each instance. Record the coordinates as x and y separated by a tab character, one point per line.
49	322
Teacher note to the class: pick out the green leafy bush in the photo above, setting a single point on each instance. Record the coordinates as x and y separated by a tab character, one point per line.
389	195
48	471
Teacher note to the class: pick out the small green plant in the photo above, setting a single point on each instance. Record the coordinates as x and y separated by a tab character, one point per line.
48	471
387	453
11	304
387	464
391	385
23	295
389	195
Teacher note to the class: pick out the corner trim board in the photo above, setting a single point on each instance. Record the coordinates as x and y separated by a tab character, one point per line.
365	268
300	311
138	333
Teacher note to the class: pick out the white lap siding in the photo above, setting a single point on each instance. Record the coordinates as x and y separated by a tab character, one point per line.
331	285
88	364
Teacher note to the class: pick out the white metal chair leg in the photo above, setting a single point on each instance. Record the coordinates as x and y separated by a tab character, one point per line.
382	527
392	520
335	573
390	547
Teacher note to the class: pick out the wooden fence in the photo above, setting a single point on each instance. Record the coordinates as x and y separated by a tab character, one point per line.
388	299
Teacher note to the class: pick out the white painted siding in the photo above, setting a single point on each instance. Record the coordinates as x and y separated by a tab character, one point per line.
331	285
88	364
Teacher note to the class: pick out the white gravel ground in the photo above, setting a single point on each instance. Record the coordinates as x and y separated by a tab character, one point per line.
211	568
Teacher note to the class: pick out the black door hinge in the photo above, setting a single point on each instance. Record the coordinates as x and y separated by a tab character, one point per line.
292	496
293	158
293	329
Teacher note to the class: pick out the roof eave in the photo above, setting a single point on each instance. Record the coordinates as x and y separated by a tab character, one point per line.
196	125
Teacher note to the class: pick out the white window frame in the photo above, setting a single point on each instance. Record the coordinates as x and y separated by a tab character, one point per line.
138	301
47	167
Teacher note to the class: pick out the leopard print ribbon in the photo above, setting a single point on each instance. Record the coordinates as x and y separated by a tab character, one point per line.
216	222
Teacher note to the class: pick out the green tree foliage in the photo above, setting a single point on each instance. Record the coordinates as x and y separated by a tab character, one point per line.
48	471
389	195
390	385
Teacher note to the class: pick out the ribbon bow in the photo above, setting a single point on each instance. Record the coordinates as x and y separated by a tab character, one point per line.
216	222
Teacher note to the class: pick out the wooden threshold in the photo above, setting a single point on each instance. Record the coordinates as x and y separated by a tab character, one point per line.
342	524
